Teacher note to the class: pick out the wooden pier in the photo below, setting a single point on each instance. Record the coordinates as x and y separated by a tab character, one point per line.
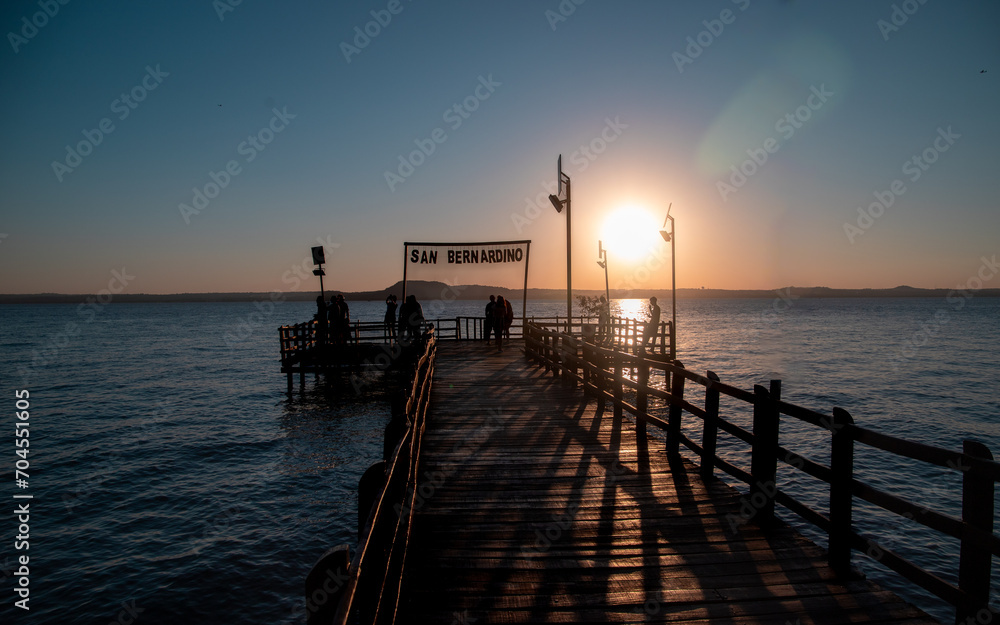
526	489
542	507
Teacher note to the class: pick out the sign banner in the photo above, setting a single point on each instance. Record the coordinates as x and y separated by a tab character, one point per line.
475	254
489	258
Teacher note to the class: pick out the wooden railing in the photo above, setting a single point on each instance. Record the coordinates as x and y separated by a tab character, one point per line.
298	338
603	373
371	594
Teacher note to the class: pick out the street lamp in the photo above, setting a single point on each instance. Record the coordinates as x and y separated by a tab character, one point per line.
318	259
602	262
671	238
558	204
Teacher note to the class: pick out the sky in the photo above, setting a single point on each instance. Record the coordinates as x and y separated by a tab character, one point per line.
848	144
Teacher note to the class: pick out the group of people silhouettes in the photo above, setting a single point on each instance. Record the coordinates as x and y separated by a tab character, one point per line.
499	317
333	319
407	326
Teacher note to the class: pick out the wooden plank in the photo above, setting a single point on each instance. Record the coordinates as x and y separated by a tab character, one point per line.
537	506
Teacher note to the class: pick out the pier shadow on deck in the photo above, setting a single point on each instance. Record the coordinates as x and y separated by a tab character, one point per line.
537	506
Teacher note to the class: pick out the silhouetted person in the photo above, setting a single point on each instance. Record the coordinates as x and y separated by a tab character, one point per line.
333	314
343	318
389	322
508	318
499	314
411	317
488	323
604	321
654	322
320	318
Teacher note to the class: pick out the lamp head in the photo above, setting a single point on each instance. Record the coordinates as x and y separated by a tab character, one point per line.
665	235
556	202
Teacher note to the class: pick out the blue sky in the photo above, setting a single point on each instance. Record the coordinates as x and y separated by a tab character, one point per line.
608	75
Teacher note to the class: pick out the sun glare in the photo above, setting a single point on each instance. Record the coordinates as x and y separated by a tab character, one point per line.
629	233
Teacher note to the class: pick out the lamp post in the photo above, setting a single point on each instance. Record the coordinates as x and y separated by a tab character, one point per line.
318	259
671	238
558	204
602	262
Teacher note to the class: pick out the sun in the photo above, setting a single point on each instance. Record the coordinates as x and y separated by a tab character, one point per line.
630	233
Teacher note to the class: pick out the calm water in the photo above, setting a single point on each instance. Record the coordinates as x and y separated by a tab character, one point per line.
172	475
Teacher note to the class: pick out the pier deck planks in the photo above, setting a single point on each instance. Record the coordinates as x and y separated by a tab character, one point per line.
540	508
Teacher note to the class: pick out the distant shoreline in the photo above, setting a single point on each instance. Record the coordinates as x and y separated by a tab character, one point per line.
439	290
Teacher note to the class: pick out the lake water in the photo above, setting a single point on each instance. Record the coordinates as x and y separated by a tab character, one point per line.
172	477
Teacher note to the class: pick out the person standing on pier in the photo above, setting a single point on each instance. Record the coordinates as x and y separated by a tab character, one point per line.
499	314
488	323
604	321
343	318
508	318
411	318
320	320
389	322
649	332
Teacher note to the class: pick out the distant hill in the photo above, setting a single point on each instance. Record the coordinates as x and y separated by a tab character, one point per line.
426	291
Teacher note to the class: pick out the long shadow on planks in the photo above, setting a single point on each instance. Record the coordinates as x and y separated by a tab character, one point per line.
539	506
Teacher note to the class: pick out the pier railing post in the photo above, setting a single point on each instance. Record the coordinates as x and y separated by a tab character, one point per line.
676	411
710	430
641	396
842	469
764	459
332	565
977	515
574	344
619	382
600	362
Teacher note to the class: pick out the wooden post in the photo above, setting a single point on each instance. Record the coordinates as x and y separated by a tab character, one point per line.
325	583
619	382
674	422
574	364
369	486
586	369
565	342
842	468
977	514
642	396
602	382
710	431
764	459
